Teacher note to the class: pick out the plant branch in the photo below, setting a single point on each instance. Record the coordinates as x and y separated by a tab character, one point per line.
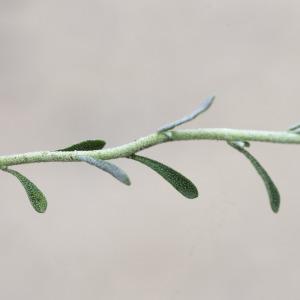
219	134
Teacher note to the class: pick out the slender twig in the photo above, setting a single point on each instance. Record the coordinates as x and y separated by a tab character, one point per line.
282	137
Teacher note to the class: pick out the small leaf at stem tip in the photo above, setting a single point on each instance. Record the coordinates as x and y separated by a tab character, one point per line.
272	190
35	195
108	167
204	106
295	128
88	145
182	184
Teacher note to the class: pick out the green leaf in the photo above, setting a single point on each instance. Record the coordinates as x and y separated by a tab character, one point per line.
272	190
88	145
242	144
108	167
182	184
36	197
204	106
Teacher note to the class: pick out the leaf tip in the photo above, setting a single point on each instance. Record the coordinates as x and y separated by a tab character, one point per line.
275	203
127	181
41	209
193	194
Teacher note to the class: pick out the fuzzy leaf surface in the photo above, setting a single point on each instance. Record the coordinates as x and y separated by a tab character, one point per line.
107	167
182	184
274	196
35	195
88	145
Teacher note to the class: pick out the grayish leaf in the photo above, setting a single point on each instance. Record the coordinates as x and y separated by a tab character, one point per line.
295	128
205	105
108	167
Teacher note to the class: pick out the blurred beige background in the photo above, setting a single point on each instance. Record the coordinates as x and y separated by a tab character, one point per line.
117	70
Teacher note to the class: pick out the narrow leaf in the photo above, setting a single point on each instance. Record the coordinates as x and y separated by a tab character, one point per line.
242	144
35	195
182	184
108	167
295	128
272	190
88	145
204	106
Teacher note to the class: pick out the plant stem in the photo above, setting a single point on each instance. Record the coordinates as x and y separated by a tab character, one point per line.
219	134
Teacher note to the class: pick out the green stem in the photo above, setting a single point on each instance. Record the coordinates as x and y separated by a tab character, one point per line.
282	137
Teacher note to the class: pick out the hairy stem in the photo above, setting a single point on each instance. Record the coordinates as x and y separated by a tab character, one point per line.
219	134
